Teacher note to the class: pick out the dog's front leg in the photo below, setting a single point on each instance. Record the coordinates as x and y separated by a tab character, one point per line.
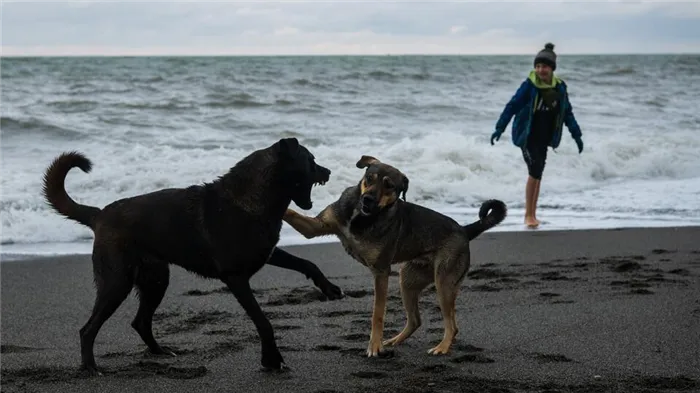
285	260
381	288
271	358
311	227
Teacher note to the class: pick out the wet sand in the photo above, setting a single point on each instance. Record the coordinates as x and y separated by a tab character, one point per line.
541	311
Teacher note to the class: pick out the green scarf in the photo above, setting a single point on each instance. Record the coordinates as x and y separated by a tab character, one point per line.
541	85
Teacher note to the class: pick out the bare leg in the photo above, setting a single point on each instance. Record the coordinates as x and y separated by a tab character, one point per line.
534	201
531	194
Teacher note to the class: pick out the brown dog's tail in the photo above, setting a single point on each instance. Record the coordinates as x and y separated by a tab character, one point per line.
55	190
487	220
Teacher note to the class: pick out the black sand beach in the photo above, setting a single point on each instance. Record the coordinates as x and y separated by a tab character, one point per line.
579	311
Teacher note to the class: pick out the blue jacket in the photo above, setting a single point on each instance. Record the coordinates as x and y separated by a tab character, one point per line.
522	105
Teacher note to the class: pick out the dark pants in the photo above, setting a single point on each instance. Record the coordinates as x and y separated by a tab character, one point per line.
535	156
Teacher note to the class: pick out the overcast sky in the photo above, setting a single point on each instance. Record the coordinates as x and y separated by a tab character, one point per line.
347	27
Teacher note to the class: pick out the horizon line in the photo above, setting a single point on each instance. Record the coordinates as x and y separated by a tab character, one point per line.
34	55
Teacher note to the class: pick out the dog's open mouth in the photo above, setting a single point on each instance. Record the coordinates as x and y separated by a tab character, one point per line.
303	199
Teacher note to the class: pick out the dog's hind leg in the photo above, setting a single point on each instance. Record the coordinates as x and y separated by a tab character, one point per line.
113	286
414	277
151	280
271	357
448	278
285	260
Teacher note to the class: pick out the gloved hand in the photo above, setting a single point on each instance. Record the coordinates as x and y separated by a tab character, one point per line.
579	143
496	135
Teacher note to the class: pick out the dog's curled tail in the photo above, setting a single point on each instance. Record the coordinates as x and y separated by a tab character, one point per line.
487	220
55	191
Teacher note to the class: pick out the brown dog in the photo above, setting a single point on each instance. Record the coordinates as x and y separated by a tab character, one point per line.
378	229
227	230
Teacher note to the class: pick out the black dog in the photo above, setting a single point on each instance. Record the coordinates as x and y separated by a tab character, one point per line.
227	229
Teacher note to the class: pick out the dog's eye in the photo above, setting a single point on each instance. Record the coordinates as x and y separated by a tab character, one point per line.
368	178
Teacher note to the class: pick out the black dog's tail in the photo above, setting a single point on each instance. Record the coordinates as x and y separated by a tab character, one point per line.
55	190
487	221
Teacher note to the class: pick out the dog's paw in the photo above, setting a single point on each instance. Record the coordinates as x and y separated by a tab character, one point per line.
282	368
382	353
331	291
440	349
374	349
91	371
161	352
273	361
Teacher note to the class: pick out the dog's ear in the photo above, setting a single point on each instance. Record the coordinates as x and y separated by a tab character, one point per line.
404	187
366	161
289	147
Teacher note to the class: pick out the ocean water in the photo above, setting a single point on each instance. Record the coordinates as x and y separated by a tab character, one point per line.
150	123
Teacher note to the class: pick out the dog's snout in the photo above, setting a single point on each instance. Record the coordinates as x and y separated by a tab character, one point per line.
368	200
323	172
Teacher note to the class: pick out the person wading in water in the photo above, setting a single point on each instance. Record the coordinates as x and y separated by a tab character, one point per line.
541	107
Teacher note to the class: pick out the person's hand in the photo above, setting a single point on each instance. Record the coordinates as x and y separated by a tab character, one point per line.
579	143
496	135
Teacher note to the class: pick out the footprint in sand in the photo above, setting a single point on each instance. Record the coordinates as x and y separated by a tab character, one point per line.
355	337
554	276
629	283
369	374
341	313
206	317
659	251
218	350
641	291
472	358
145	353
550	358
626	267
482	274
286	327
9	348
149	369
357	294
327	348
298	296
140	370
435	368
466	348
549	294
485	288
362	323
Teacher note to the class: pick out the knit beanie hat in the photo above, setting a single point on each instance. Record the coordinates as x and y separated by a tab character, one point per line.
547	56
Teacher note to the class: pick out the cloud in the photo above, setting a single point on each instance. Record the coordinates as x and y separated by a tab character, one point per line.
285	27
